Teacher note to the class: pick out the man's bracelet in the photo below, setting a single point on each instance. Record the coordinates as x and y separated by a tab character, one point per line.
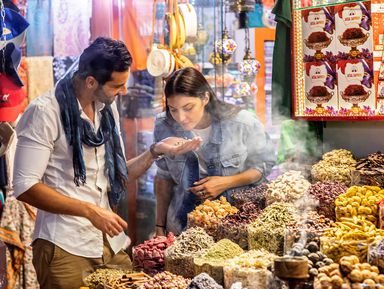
155	155
160	226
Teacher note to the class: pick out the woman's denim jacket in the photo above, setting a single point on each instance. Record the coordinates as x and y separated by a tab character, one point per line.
235	145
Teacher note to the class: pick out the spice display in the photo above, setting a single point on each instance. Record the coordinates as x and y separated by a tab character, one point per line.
255	195
326	193
359	201
133	280
349	274
149	256
166	280
309	227
203	281
370	171
208	214
336	166
191	243
268	230
381	214
376	254
250	269
287	188
350	236
98	278
235	227
316	259
212	261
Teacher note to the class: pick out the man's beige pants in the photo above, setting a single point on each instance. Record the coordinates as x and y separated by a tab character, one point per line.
58	269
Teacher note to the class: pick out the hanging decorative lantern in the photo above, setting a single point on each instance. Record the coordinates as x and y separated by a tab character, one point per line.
242	5
249	66
225	46
216	59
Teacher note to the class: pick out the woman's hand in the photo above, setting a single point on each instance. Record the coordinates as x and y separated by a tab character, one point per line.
177	145
211	187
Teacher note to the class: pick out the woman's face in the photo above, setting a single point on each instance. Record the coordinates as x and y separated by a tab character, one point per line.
187	111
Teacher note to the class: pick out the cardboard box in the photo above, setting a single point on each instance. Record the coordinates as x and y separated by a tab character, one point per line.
320	88
356	87
318	34
354	30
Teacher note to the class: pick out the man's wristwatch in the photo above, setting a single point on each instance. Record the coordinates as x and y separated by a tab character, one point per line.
156	156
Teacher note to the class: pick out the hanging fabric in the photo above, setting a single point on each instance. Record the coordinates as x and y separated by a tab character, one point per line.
71	26
16	228
39	14
39	68
61	65
102	19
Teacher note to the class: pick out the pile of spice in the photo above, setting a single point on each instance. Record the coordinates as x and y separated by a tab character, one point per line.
370	171
212	261
376	254
326	193
268	231
255	195
349	236
208	214
308	227
190	244
235	227
250	269
166	280
133	281
336	166
359	201
149	256
288	187
98	278
204	281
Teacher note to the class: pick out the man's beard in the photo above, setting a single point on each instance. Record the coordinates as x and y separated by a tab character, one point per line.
102	97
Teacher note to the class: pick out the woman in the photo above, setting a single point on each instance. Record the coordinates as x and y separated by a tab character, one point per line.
235	151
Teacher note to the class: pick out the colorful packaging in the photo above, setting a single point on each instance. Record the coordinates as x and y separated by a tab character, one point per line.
318	33
355	86
321	88
354	30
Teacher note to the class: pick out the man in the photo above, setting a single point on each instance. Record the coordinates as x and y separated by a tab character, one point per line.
70	165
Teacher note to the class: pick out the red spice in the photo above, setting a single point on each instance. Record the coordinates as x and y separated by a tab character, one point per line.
317	37
318	91
354	89
353	33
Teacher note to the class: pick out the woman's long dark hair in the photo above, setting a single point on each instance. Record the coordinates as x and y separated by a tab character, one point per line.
190	82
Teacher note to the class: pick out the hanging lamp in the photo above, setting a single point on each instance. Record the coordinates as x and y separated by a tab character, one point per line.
249	66
242	5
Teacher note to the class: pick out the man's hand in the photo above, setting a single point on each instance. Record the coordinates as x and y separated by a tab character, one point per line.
177	146
211	187
106	221
160	231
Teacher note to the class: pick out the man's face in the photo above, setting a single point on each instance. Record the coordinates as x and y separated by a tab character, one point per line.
108	92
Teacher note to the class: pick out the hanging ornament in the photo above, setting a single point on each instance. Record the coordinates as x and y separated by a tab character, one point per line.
249	66
216	59
242	5
225	46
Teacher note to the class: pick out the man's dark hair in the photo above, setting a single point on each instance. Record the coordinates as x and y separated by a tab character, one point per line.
103	57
